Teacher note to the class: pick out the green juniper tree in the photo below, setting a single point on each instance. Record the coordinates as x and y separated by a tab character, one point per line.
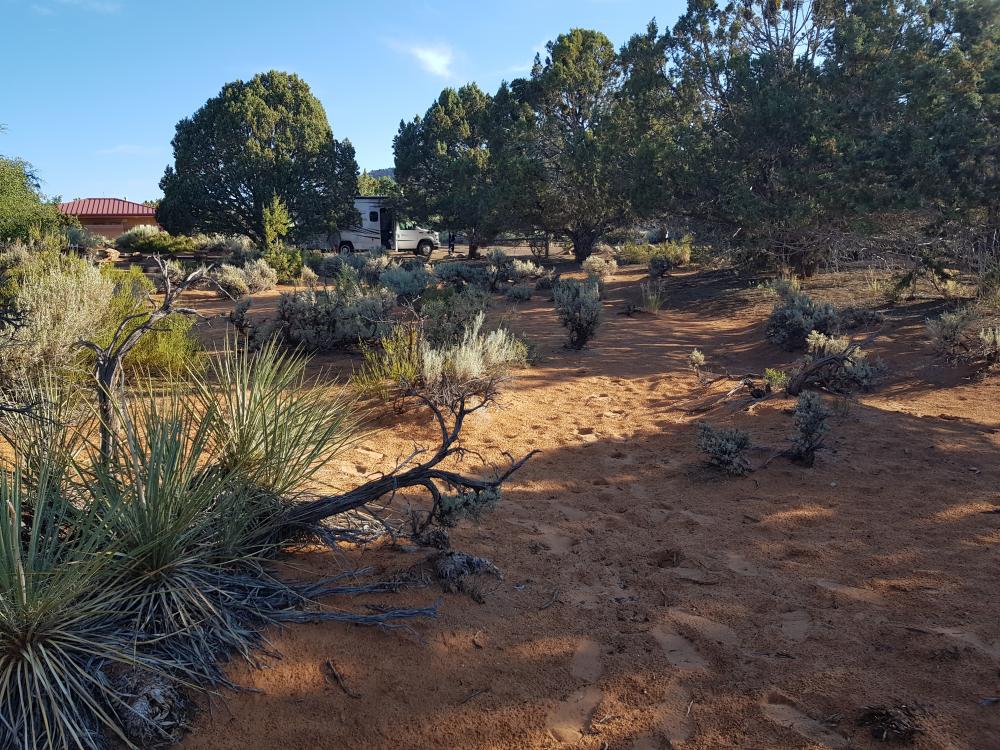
257	141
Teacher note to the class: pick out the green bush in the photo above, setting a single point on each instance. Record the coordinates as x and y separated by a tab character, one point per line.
726	448
406	282
796	315
172	349
462	274
446	313
810	428
286	262
84	239
578	305
154	241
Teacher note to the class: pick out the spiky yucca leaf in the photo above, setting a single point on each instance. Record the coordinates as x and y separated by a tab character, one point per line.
60	624
275	427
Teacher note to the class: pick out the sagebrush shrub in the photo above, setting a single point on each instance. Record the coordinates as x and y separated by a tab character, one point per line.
473	366
850	369
308	278
329	319
696	360
461	274
810	427
64	300
795	315
519	293
407	283
522	270
726	448
446	313
259	275
948	333
231	281
578	305
599	268
405	362
499	269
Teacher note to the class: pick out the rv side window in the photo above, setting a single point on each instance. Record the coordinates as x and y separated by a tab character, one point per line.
373	216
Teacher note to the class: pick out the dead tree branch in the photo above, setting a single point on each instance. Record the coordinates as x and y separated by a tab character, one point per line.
108	359
305	517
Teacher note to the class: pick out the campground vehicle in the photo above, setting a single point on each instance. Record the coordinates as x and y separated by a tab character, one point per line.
380	228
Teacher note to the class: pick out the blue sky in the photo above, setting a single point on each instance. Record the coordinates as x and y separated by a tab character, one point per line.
90	90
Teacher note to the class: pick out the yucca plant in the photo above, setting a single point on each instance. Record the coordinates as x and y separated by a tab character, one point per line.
182	574
273	426
61	627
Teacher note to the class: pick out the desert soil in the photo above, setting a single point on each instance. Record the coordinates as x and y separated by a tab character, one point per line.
649	602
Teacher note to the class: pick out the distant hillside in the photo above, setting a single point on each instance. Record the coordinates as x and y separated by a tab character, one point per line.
388	172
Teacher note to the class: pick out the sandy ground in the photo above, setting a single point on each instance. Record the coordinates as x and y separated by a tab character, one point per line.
649	602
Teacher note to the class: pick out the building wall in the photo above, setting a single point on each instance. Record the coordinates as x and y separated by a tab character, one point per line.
113	226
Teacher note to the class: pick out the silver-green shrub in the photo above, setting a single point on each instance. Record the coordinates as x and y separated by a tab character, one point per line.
810	427
578	305
726	448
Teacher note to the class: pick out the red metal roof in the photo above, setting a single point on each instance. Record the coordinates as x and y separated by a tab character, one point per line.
105	207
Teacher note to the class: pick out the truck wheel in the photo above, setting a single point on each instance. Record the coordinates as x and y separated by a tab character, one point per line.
346	247
424	247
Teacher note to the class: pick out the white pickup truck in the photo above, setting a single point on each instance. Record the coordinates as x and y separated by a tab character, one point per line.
380	229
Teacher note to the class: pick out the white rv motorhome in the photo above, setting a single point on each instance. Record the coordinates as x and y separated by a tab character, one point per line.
380	229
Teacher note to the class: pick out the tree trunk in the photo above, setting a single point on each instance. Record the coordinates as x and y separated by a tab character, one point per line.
583	242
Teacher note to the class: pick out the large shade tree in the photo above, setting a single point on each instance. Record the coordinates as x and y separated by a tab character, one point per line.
572	162
445	167
258	141
24	212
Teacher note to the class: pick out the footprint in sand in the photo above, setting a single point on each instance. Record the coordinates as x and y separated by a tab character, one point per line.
709	629
795	625
777	708
851	592
567	722
739	565
679	650
671	720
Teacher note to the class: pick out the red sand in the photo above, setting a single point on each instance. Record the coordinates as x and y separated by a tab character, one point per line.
649	602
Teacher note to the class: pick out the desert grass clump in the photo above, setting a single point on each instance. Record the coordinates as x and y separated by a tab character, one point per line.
578	305
725	447
810	428
653	295
696	361
949	333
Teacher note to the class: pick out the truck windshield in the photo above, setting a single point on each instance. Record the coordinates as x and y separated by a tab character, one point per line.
407	224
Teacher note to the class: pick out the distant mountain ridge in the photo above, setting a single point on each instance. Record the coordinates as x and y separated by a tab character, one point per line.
387	172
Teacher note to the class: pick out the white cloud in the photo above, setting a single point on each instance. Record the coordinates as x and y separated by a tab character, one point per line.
436	59
129	149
